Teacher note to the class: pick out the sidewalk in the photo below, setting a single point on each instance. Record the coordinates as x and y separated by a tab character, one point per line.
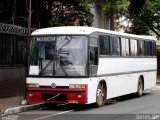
9	102
12	105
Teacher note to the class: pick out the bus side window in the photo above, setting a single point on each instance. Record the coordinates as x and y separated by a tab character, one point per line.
125	47
104	43
154	48
148	48
93	52
115	45
141	48
133	47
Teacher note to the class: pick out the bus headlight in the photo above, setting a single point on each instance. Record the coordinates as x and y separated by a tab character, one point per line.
80	86
33	85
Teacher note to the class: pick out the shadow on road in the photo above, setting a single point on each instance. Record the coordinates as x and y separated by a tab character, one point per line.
92	106
68	107
130	97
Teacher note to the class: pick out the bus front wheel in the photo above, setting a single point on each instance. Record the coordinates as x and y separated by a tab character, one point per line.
100	95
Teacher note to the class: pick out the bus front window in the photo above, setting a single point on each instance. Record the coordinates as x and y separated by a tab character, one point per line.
58	56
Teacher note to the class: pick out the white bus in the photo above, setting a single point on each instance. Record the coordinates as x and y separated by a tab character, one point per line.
84	65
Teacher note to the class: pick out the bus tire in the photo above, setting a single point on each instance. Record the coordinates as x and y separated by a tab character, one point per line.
100	95
140	87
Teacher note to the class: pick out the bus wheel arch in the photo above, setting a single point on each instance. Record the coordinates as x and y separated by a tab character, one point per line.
140	86
101	93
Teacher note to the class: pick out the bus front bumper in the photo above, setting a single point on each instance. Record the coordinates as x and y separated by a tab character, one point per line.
57	96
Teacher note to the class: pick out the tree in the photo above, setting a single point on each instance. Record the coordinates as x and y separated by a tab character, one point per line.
59	12
5	11
152	13
75	12
114	9
145	17
46	13
13	12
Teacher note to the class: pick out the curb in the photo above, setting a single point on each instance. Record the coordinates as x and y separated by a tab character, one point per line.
20	109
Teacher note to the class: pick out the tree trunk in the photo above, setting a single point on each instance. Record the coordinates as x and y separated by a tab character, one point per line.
13	11
112	17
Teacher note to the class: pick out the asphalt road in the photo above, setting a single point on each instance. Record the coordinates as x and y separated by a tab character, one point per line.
127	107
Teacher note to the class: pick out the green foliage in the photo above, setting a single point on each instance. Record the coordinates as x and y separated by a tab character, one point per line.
47	13
4	10
143	14
120	7
116	9
136	7
154	5
75	13
146	18
21	20
158	49
139	27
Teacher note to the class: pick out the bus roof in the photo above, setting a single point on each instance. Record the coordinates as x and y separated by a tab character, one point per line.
82	30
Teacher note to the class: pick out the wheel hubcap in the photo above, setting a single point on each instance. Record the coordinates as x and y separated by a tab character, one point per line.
140	88
100	97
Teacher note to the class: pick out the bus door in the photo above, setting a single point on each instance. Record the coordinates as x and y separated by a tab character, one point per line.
93	56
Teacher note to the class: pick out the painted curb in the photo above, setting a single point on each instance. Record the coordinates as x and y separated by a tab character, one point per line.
20	109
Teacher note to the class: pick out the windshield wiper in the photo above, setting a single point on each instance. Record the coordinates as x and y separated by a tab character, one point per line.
44	67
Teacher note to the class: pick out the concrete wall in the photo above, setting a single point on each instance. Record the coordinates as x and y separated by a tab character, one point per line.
12	81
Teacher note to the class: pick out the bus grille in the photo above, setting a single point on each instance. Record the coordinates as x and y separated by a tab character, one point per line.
54	97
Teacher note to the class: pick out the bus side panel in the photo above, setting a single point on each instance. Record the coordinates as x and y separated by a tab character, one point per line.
121	85
122	74
150	80
92	88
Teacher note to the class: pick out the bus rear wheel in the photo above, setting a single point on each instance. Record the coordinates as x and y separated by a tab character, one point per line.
140	88
100	96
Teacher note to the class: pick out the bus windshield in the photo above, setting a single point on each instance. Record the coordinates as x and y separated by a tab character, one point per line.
58	56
